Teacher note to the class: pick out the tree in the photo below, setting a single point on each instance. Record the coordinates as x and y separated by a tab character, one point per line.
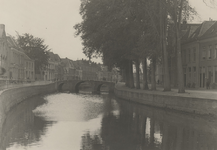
178	11
109	31
35	48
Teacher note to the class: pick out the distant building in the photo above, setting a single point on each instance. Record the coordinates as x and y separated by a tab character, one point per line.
199	55
104	74
15	64
87	69
69	69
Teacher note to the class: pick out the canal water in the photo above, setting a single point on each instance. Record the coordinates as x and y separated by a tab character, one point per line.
68	121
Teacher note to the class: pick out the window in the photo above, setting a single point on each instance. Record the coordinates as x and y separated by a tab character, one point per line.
194	69
184	70
209	52
215	74
189	55
194	51
215	51
204	53
184	56
189	69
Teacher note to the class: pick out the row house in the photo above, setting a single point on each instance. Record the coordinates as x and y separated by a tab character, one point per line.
88	69
15	64
69	69
104	74
199	55
54	69
53	72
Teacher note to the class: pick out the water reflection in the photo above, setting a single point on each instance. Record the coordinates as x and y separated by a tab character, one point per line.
22	126
141	127
100	122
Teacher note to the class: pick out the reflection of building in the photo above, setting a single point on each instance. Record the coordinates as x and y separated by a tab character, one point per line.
17	65
21	126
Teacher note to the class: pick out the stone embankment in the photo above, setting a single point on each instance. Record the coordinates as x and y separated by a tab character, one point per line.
11	97
199	102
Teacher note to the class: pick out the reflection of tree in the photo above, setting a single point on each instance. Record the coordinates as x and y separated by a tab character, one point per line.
123	132
178	131
91	143
21	126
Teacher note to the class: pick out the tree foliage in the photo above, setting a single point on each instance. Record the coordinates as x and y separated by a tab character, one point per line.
130	30
35	48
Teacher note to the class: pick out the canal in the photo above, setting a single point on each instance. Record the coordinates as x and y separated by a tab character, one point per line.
69	121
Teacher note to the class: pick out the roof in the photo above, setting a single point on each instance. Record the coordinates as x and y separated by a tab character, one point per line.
190	29
14	46
54	57
197	32
211	32
67	62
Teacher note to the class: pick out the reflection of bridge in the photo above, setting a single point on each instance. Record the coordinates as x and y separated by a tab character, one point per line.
73	85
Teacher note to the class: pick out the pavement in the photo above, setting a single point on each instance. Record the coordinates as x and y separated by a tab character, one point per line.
195	93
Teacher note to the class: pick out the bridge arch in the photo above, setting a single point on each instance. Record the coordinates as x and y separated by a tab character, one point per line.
78	84
100	85
59	87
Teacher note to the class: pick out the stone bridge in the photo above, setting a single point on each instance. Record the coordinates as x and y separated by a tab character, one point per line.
73	85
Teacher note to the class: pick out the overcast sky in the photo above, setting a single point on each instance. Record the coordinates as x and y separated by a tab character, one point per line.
53	20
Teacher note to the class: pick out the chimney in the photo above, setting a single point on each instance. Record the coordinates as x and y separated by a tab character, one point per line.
2	30
2	26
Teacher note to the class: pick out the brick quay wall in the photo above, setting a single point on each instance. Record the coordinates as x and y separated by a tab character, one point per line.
164	100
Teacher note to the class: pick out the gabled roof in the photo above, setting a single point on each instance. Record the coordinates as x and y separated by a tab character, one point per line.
190	29
204	29
211	32
201	29
67	62
54	57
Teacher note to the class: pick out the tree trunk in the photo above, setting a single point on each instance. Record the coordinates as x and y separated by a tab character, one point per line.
126	69
137	74
163	21
145	76
153	81
181	88
131	80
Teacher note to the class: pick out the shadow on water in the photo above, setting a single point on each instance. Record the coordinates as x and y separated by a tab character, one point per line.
22	126
138	127
85	88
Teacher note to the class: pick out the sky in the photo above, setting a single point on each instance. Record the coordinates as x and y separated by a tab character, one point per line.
53	21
